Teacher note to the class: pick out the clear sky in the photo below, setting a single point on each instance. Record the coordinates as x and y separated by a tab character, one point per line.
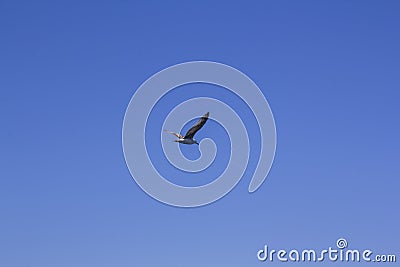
329	69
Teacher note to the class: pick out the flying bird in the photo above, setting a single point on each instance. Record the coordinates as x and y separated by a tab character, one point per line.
188	138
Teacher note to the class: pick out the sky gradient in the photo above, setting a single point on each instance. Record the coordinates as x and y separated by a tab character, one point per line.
329	70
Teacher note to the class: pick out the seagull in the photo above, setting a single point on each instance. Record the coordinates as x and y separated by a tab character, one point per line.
188	138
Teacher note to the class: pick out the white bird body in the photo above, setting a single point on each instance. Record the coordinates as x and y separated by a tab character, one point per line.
186	141
188	138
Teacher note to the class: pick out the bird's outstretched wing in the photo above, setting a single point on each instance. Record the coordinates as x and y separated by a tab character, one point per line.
192	131
176	134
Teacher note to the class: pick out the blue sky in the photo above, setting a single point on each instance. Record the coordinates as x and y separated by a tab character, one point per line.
330	71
